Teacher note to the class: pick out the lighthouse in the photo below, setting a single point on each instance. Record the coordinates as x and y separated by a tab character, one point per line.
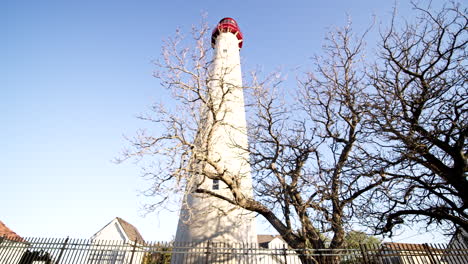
222	137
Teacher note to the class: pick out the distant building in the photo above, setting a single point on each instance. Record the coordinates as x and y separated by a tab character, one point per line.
117	242
276	250
459	239
271	241
120	230
457	247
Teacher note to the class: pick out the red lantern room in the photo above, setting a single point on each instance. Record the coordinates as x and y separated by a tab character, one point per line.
226	24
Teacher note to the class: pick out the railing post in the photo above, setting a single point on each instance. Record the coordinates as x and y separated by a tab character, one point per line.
62	250
207	254
364	253
133	251
68	250
285	254
429	253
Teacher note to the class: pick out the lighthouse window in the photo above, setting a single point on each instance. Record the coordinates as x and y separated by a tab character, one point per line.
225	50
215	184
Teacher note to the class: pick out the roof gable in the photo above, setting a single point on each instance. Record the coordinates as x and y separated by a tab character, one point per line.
124	229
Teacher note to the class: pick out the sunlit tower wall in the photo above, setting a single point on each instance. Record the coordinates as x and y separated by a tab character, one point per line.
204	218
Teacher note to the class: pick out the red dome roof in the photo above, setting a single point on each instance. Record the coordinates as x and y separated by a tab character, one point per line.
227	24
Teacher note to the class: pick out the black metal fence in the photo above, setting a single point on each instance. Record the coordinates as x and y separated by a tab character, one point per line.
70	251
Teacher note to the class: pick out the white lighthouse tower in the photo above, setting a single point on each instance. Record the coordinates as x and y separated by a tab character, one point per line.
222	137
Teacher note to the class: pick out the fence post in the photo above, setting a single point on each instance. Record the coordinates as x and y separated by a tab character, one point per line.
62	250
207	253
133	251
285	254
429	253
364	253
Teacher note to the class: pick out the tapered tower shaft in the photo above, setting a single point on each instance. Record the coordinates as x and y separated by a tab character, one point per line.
223	137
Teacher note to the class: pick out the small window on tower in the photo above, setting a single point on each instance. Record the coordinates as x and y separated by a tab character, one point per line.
215	184
225	50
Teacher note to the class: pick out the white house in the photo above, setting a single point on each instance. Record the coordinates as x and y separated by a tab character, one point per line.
271	241
117	242
276	250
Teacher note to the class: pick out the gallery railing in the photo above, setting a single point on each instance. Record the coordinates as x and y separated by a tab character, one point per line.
70	251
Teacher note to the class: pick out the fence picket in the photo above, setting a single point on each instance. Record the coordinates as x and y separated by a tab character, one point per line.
75	251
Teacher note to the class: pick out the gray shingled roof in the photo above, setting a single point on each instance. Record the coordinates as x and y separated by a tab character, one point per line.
131	231
265	238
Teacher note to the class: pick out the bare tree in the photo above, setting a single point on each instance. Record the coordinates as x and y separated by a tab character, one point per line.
421	117
389	143
313	164
183	70
310	158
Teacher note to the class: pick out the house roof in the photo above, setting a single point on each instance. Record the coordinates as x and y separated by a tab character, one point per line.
131	231
9	234
406	246
128	229
460	236
264	240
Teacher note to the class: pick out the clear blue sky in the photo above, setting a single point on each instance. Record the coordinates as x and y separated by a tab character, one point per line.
74	74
